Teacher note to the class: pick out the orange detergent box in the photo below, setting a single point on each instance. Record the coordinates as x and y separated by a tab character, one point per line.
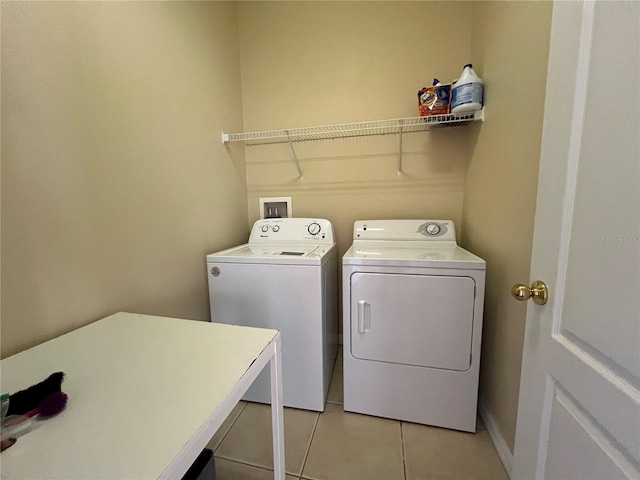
434	100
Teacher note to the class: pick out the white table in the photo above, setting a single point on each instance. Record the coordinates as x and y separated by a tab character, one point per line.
146	394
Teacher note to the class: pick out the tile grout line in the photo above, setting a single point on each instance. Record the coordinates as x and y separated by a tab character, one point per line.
404	463
247	464
331	381
230	427
306	454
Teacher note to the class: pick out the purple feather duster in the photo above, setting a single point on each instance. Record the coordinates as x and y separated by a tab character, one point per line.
52	404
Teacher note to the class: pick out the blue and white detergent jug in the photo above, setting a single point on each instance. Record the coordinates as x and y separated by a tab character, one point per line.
467	92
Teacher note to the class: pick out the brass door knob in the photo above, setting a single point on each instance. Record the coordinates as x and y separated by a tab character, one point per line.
538	291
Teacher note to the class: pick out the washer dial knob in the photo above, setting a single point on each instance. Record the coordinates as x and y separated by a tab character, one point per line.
264	228
275	228
314	228
432	229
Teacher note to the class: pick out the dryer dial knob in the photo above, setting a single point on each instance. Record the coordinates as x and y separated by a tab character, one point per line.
264	228
432	229
275	228
314	228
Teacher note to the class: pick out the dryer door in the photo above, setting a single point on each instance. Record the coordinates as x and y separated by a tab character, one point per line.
422	320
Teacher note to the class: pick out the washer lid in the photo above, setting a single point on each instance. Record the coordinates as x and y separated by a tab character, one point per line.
429	256
272	254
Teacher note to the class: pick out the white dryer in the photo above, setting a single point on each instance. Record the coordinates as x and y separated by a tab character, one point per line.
412	313
285	278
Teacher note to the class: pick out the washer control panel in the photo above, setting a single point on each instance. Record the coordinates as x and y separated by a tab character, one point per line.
292	230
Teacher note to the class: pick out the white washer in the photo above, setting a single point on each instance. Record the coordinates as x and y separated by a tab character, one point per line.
285	278
412	312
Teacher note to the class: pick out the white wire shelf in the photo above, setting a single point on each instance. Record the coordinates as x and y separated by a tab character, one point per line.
378	127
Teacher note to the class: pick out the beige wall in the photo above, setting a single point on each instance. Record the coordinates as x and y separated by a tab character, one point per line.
319	63
509	50
114	181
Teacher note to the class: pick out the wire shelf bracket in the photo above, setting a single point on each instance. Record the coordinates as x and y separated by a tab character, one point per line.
377	127
295	157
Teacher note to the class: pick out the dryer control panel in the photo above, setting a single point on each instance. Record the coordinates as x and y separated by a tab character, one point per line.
407	230
292	230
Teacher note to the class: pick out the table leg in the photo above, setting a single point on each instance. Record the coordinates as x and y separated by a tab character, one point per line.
277	412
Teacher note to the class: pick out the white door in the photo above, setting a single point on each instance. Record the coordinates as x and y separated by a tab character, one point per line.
579	410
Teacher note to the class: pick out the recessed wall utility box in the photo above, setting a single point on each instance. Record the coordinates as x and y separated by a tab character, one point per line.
276	207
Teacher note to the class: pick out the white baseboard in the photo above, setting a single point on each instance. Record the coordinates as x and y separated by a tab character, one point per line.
506	457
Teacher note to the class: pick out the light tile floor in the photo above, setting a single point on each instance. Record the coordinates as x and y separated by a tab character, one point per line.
337	445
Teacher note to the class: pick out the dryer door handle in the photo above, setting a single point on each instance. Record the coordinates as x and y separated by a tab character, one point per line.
364	317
